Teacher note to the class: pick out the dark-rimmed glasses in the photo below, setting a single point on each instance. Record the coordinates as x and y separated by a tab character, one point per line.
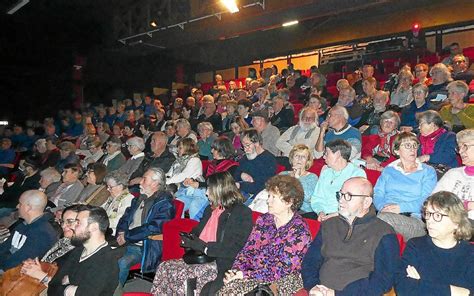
347	196
437	216
67	222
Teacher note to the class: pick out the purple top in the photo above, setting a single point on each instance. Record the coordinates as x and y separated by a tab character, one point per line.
270	253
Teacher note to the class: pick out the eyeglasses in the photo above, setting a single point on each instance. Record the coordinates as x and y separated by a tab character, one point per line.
109	187
463	147
410	145
67	222
347	196
246	146
437	216
458	62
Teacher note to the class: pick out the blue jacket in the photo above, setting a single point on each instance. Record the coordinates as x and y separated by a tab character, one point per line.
444	150
28	241
408	117
157	210
261	168
409	191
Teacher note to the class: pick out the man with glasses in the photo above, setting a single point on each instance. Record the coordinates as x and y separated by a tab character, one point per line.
135	146
31	238
114	158
336	126
91	268
461	69
256	167
354	253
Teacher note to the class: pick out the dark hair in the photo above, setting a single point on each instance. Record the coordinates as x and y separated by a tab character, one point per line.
74	208
224	147
340	145
100	170
74	167
252	135
190	147
245	102
223	191
97	215
430	116
289	188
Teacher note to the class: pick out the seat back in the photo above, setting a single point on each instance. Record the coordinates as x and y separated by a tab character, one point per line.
179	206
314	226
172	239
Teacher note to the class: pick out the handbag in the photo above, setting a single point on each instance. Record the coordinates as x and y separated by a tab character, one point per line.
196	257
261	290
14	283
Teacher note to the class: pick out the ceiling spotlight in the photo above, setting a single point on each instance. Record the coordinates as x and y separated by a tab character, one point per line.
289	23
231	5
153	24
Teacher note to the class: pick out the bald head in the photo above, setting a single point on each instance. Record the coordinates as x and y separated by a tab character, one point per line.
355	198
359	185
35	198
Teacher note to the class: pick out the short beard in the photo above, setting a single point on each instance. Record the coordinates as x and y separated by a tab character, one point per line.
251	156
306	127
79	241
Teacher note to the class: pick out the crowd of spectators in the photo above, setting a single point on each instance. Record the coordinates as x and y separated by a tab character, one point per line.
109	175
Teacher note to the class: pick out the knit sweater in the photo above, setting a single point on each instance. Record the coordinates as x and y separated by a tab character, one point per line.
466	116
438	268
261	168
408	190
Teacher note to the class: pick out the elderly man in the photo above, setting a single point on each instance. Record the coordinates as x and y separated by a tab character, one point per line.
114	157
143	218
135	146
70	187
269	133
454	49
32	238
91	268
339	129
305	132
283	114
461	69
354	253
256	167
458	114
160	157
347	99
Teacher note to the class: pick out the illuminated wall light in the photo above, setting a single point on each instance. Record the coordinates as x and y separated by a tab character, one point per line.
3	122
290	23
153	24
231	5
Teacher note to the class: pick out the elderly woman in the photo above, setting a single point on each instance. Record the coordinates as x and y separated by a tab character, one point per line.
437	91
32	267
95	192
183	130
275	248
220	234
206	138
442	262
419	104
193	193
320	105
403	186
135	146
458	114
377	149
337	170
119	199
187	164
437	145
421	74
402	95
301	159
460	181
114	157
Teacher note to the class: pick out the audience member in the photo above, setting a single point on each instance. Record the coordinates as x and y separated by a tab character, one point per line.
437	91
403	186
458	114
347	99
187	164
461	69
135	146
95	192
114	157
419	104
67	152
354	253
282	115
7	157
268	132
403	94
70	188
206	138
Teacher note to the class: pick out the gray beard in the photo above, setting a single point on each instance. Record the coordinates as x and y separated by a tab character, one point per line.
307	127
251	156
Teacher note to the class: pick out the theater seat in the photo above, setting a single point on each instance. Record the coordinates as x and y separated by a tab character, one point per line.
314	226
255	216
172	239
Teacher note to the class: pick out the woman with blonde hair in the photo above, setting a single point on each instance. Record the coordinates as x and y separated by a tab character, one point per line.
187	164
221	233
442	262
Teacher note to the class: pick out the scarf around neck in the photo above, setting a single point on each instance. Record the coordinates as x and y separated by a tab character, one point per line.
428	142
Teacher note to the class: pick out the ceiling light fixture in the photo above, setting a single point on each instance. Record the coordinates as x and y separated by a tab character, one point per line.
17	6
290	23
231	5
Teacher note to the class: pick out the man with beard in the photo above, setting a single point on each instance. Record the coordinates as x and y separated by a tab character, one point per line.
143	218
91	268
305	132
256	167
354	253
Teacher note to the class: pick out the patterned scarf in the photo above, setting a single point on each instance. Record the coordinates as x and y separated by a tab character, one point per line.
383	148
428	142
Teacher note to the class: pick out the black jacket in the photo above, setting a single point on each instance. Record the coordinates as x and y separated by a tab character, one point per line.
235	225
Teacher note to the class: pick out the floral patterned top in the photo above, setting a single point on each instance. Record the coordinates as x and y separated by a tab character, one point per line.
272	253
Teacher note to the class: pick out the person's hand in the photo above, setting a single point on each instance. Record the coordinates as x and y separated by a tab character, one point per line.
424	158
70	291
121	238
324	126
246	178
323	217
363	128
194	243
188	182
391	208
297	173
33	268
135	181
470	205
321	290
412	272
65	280
458	291
232	275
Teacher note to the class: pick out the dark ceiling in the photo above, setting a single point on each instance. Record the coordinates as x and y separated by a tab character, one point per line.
38	43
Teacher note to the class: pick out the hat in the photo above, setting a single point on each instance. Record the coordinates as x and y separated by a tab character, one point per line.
261	113
32	161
